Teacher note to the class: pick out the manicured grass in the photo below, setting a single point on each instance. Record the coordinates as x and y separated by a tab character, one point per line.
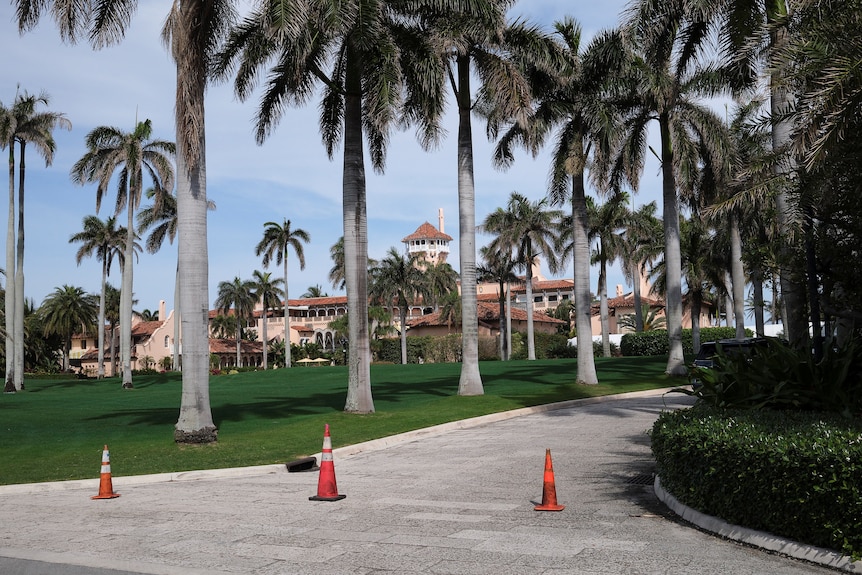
55	429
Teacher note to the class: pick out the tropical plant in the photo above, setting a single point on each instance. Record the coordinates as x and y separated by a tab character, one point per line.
642	244
381	65
314	291
239	295
193	31
440	280
112	316
528	228
499	267
66	311
21	123
571	103
221	326
132	154
268	293
651	320
148	315
607	224
667	76
106	241
274	247
479	45
398	279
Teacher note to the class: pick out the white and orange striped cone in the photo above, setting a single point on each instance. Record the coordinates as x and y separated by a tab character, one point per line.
106	487
549	491
327	490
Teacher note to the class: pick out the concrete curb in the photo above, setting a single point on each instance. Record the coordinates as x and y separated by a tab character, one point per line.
368	446
755	538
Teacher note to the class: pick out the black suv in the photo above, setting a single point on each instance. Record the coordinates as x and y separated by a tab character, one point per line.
709	351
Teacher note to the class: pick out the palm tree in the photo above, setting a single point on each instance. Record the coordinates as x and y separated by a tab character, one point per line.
274	246
336	274
381	65
572	103
641	246
22	124
112	316
499	267
66	311
106	241
239	295
314	291
193	30
132	154
440	279
484	46
607	223
650	319
221	326
398	278
666	79
268	293
528	228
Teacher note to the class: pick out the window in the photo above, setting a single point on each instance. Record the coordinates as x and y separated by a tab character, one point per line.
83	344
552	298
565	296
538	298
167	341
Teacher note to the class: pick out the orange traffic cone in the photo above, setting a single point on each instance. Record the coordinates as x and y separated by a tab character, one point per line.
549	493
106	487
327	490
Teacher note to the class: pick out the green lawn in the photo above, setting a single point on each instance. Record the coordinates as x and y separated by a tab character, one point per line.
55	429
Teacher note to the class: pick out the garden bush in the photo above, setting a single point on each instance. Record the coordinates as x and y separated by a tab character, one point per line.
432	349
655	342
791	473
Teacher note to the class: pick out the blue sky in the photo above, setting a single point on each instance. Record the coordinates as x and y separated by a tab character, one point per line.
289	176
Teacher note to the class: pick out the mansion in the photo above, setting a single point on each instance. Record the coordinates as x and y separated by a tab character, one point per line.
310	318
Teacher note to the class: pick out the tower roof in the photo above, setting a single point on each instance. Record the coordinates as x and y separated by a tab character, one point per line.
427	232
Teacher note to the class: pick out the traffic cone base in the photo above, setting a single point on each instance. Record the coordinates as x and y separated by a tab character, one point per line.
327	490
549	490
106	486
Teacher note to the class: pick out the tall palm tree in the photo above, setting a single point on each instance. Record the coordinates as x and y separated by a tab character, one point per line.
161	219
104	240
667	78
314	291
274	246
479	45
372	61
571	102
499	267
132	154
641	246
239	295
22	123
192	31
397	277
440	279
528	228
221	326
267	292
607	224
66	311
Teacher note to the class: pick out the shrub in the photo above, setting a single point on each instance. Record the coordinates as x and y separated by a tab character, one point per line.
778	376
794	474
655	342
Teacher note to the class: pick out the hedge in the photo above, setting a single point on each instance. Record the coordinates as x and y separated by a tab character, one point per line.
794	474
655	342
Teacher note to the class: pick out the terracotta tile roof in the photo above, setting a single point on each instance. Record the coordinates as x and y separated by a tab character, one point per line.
317	301
545	285
427	232
489	313
625	301
229	346
146	327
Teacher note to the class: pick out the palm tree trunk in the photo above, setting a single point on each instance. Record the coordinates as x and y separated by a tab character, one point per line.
177	319
10	277
531	343
470	382
737	274
673	259
126	290
636	295
286	314
18	338
757	294
359	398
265	336
101	326
603	307
238	340
502	303
195	423
696	305
508	321
583	301
402	310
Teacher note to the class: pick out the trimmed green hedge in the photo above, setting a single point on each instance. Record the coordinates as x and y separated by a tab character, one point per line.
655	342
793	474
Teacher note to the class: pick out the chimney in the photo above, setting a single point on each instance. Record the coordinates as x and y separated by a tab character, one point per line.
162	314
619	290
440	219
